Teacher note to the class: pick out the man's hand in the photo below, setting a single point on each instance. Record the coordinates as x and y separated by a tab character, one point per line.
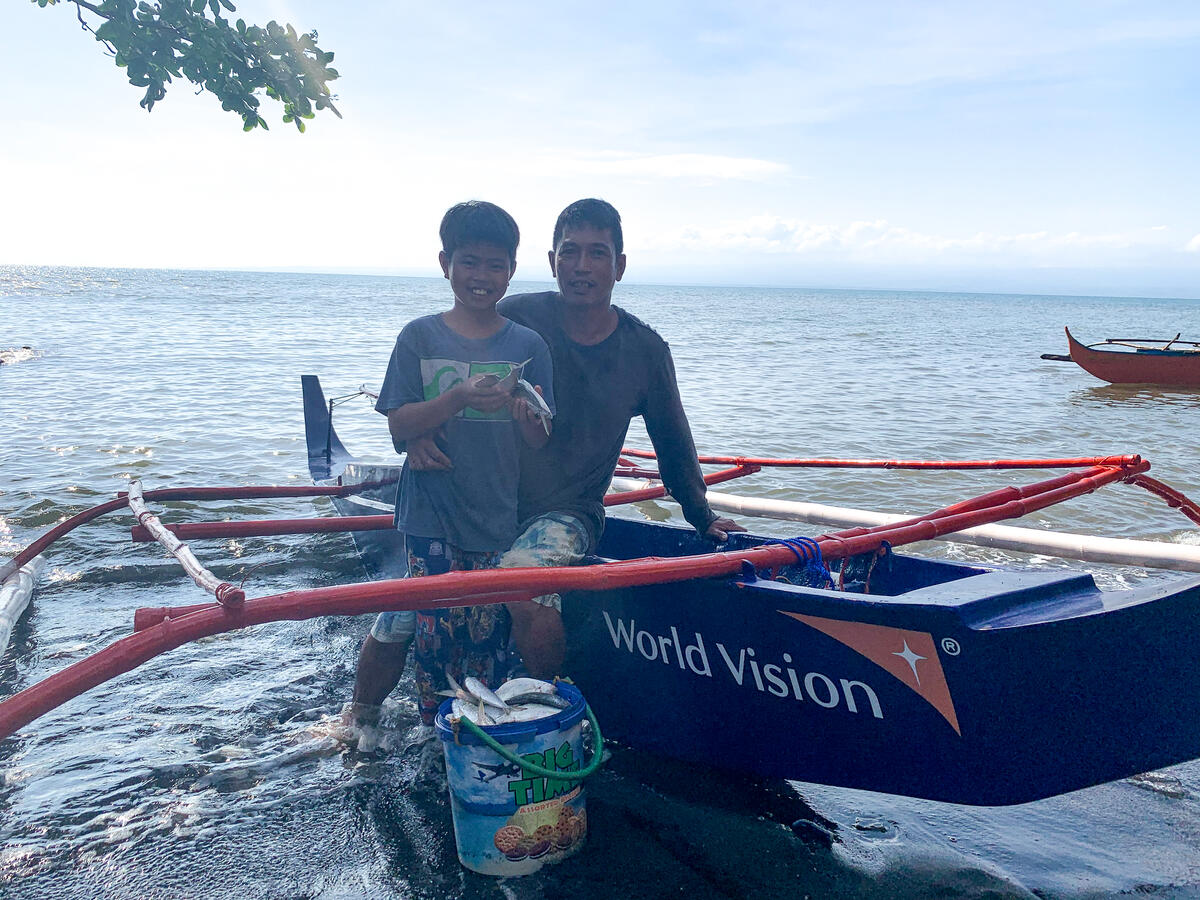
424	455
719	529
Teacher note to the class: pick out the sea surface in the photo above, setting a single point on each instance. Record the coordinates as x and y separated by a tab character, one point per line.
221	769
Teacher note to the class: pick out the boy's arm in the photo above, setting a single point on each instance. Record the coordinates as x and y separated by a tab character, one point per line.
412	419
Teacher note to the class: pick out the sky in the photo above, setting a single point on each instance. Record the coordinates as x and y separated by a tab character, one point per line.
1025	146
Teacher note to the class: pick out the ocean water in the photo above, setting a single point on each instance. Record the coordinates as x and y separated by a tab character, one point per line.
221	770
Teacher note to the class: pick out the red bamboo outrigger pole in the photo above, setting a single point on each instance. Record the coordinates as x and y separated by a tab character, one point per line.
1078	462
179	626
264	527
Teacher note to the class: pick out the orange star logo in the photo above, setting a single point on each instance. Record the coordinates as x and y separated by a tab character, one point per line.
909	656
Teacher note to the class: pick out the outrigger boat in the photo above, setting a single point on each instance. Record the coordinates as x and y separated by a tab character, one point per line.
1138	360
960	683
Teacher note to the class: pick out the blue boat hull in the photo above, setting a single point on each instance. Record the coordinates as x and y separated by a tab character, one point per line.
1011	686
944	681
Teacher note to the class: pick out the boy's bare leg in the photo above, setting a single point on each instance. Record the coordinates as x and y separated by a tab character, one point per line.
380	666
540	638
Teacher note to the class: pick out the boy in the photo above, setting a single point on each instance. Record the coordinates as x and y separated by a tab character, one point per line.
442	382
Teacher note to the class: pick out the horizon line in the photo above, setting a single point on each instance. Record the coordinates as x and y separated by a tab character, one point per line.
400	272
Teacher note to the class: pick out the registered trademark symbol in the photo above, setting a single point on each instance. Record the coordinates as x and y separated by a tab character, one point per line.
950	645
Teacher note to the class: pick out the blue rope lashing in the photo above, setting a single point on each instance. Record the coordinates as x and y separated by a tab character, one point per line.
808	554
800	551
816	565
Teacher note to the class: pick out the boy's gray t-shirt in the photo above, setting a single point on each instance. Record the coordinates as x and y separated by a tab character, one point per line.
472	506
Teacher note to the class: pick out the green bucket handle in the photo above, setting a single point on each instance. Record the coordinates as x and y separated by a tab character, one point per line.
540	771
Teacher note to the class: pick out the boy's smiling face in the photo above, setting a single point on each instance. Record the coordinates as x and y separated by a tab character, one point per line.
479	273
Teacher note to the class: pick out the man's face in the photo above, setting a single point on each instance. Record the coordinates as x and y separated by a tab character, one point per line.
587	265
478	272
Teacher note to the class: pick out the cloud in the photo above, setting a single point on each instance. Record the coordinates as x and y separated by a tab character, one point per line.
878	240
699	166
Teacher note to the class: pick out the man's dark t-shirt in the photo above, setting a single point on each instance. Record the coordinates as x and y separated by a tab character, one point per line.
598	389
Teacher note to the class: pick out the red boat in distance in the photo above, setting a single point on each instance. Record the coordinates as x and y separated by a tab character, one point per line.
1139	360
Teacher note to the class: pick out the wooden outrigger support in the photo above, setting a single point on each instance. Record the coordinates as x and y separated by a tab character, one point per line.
184	493
226	593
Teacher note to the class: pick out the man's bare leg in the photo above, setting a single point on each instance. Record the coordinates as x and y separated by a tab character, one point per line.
380	666
539	636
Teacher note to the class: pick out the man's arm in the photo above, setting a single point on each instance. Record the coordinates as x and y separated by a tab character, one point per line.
667	425
424	454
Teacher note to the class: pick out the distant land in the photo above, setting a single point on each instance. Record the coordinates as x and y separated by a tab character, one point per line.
1174	283
1164	284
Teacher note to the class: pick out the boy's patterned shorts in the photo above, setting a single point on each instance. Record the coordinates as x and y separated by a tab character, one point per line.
464	640
426	556
473	640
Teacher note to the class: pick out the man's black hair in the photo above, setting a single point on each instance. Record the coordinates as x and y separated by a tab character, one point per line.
478	220
597	213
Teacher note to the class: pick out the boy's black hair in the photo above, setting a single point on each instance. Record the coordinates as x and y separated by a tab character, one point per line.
478	220
597	213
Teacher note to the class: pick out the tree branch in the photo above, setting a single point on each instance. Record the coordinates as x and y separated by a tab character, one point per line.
158	41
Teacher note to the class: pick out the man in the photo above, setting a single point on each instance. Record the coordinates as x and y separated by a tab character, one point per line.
608	368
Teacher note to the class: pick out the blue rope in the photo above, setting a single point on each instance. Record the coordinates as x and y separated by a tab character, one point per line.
816	567
793	544
808	552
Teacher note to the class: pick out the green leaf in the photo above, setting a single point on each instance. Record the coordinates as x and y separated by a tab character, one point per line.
160	41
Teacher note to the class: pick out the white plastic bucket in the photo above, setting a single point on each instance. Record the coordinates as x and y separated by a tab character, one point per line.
506	821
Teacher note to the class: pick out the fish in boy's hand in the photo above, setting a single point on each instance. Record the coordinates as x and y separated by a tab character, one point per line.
514	384
507	382
529	394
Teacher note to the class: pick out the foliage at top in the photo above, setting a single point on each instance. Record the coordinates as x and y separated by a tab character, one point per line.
159	42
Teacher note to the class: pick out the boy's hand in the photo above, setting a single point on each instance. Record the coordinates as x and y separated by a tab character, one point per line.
533	430
483	392
522	410
424	455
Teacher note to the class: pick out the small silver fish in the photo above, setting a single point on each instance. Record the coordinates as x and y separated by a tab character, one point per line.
477	688
525	391
474	691
524	685
540	698
461	709
507	382
528	713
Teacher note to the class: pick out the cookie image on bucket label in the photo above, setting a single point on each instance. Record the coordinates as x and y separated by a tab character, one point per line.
551	828
508	841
